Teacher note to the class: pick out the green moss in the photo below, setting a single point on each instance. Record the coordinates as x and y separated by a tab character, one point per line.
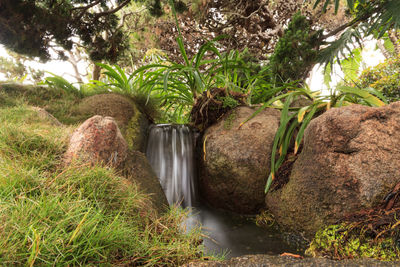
134	132
228	122
340	241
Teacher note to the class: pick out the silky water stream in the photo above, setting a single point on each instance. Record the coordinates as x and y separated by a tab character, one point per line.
170	150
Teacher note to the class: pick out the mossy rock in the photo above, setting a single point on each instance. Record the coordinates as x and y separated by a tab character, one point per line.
137	169
132	123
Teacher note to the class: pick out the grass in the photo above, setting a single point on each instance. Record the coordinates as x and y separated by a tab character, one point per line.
77	215
60	103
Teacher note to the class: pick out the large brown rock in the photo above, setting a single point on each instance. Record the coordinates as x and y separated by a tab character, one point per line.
119	107
350	161
98	139
236	162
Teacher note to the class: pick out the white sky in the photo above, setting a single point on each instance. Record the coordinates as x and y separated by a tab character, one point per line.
370	56
58	67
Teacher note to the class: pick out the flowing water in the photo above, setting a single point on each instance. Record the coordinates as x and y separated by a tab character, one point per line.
170	151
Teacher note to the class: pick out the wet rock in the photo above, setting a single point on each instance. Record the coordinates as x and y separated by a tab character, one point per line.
349	162
277	261
132	123
98	139
236	162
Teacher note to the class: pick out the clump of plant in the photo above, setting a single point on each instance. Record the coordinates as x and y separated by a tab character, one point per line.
296	51
384	77
265	219
294	119
370	233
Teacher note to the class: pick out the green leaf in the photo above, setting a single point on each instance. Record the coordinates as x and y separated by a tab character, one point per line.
305	123
336	6
182	50
377	93
364	95
350	4
301	113
327	74
387	43
351	65
339	47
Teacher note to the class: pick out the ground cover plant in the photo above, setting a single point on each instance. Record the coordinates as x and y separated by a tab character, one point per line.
75	215
369	233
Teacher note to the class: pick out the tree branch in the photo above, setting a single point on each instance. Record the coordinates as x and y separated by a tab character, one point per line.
127	15
111	11
85	8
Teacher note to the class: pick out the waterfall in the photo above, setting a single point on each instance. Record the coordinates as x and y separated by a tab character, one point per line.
170	151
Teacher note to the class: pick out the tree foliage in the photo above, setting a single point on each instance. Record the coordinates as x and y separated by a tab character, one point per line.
15	68
31	27
255	25
369	18
296	50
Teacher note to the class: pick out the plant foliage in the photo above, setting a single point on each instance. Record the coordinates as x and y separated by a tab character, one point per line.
296	51
369	18
384	77
297	118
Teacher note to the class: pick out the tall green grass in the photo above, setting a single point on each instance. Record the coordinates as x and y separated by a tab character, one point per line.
60	103
77	215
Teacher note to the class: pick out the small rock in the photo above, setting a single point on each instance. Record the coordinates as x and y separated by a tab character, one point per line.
132	123
43	114
98	139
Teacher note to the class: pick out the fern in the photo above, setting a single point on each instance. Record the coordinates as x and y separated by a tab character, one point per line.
340	47
370	17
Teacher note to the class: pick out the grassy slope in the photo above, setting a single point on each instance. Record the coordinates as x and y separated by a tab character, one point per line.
81	215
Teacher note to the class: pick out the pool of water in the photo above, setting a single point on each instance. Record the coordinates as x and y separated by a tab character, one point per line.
234	235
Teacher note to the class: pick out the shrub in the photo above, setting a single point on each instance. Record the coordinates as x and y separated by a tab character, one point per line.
384	77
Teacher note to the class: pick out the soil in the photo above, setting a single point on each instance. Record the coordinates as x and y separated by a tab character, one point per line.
209	107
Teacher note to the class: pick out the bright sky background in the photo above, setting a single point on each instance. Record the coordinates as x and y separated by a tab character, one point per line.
58	67
371	57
